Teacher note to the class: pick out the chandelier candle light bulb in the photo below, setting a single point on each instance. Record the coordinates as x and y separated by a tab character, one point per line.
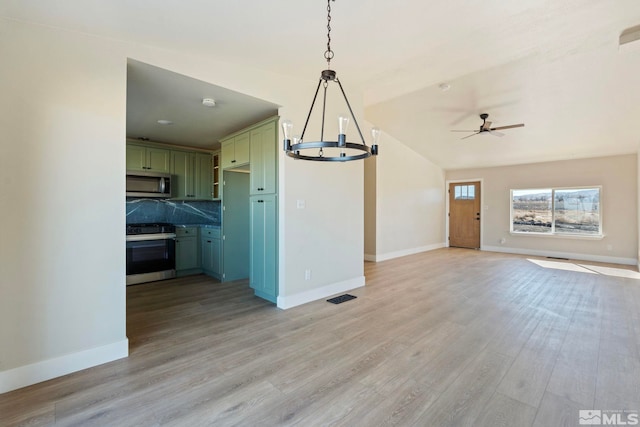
341	147
287	127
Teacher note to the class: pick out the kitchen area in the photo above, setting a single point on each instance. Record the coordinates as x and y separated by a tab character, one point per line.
190	178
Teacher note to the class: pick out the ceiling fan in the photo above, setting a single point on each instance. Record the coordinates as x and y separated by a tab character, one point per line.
486	127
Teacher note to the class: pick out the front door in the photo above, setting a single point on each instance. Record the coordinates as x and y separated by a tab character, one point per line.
464	215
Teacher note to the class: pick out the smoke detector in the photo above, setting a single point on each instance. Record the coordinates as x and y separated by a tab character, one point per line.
209	102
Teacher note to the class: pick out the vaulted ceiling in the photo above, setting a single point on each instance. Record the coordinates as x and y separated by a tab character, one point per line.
554	65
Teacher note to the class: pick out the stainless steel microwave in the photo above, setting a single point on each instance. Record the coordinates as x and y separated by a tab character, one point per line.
148	184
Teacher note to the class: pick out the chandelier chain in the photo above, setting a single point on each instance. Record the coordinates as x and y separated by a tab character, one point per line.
328	54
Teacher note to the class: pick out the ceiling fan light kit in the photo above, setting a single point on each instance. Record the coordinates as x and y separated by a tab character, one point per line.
294	146
486	127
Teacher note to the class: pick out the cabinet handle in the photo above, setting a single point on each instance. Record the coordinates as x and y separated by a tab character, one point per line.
260	201
208	241
233	161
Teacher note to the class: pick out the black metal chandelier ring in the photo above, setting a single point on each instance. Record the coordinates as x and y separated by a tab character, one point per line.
296	149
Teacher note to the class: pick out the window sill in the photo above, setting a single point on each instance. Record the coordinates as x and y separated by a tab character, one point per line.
560	235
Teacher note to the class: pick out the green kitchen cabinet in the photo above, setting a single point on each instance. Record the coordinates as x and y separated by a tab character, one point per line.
191	175
203	176
263	159
235	151
148	159
211	247
187	251
264	246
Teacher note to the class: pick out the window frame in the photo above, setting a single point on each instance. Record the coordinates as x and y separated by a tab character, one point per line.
553	232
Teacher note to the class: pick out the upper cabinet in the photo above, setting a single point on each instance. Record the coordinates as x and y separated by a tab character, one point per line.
191	175
141	158
263	159
235	151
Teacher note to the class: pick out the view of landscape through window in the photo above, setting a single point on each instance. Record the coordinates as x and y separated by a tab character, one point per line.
566	210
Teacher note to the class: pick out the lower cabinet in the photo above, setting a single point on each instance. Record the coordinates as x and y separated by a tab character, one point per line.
264	246
187	251
211	250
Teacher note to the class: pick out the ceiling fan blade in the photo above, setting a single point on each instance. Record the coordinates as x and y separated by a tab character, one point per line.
469	136
457	130
486	126
494	133
508	127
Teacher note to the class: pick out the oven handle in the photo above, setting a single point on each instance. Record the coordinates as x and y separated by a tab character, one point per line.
146	237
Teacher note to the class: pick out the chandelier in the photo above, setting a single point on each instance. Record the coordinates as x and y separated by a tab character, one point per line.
340	150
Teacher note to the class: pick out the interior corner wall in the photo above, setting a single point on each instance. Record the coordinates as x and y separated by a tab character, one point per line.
619	206
410	201
370	189
62	181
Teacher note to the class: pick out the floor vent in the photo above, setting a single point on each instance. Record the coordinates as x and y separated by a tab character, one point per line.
562	259
342	298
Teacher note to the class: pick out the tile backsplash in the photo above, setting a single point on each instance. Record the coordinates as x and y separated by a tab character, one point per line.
172	211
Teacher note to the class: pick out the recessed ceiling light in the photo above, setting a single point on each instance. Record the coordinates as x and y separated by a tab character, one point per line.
209	102
444	86
165	122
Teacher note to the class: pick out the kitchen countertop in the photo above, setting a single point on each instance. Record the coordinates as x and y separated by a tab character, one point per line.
197	225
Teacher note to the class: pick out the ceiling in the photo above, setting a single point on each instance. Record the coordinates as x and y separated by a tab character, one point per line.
156	94
553	65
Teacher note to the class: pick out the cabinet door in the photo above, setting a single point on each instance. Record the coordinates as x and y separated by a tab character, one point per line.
202	176
228	154
256	163
263	258
158	160
207	258
263	160
182	175
216	256
136	158
187	253
241	143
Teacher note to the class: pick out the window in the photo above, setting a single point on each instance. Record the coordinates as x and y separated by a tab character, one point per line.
465	192
556	211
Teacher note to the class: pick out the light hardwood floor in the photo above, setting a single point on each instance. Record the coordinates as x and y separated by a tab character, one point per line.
451	337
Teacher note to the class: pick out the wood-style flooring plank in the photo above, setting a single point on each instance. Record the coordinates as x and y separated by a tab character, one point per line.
448	337
502	411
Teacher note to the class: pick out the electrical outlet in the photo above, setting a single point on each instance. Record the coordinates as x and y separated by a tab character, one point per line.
307	274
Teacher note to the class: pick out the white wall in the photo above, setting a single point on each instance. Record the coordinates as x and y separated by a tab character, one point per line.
62	170
62	247
618	177
410	202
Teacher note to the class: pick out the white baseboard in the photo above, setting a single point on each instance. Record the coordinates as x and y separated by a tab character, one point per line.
27	375
285	302
570	255
404	252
